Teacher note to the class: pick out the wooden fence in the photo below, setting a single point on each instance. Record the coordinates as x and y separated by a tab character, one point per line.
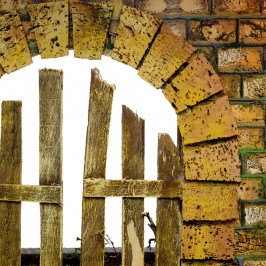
132	188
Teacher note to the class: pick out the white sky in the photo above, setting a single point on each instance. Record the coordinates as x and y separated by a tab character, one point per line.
131	90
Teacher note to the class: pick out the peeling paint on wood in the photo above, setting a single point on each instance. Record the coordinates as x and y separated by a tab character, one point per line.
209	202
50	22
208	121
91	22
208	241
167	54
10	173
93	210
134	34
195	83
217	162
14	51
51	86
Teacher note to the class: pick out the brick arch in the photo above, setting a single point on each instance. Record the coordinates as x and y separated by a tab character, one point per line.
186	78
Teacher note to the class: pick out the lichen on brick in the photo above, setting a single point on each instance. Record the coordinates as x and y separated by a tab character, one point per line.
251	138
255	214
254	87
255	163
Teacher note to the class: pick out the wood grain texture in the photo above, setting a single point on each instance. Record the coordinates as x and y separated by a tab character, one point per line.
134	34
132	168
10	173
210	121
131	188
50	91
100	105
195	83
216	162
43	194
14	51
168	231
50	22
91	22
167	54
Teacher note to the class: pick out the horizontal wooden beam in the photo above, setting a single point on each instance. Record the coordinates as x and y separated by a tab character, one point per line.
132	188
43	194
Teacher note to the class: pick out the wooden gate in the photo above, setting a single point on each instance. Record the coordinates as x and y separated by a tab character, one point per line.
133	188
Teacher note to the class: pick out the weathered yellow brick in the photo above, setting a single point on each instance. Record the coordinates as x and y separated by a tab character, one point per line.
205	241
209	202
90	26
250	242
249	114
255	262
255	163
241	59
50	21
254	86
195	83
165	57
251	138
255	214
231	85
208	121
177	26
134	34
14	51
207	262
218	161
251	189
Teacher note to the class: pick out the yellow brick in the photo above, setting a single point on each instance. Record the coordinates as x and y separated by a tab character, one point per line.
165	57
134	34
255	163
254	86
255	262
209	202
90	26
231	85
219	162
255	214
50	21
195	83
14	51
206	122
205	241
177	26
251	138
251	189
241	59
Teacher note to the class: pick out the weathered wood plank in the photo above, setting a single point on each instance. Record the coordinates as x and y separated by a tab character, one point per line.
168	231
218	162
132	188
208	121
210	202
91	22
43	194
134	34
100	105
132	168
50	22
167	54
14	51
195	83
10	173
50	91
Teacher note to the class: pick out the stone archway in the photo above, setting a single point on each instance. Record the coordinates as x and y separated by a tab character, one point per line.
206	124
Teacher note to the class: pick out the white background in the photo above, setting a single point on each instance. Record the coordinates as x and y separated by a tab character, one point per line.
149	103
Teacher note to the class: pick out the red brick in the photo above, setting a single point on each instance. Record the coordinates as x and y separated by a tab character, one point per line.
251	138
255	163
242	59
174	7
177	26
212	31
231	85
226	7
205	241
249	114
209	202
254	86
252	31
255	214
251	189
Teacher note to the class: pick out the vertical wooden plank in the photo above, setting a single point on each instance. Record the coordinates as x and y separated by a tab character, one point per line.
168	210
10	173
132	168
51	86
100	105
